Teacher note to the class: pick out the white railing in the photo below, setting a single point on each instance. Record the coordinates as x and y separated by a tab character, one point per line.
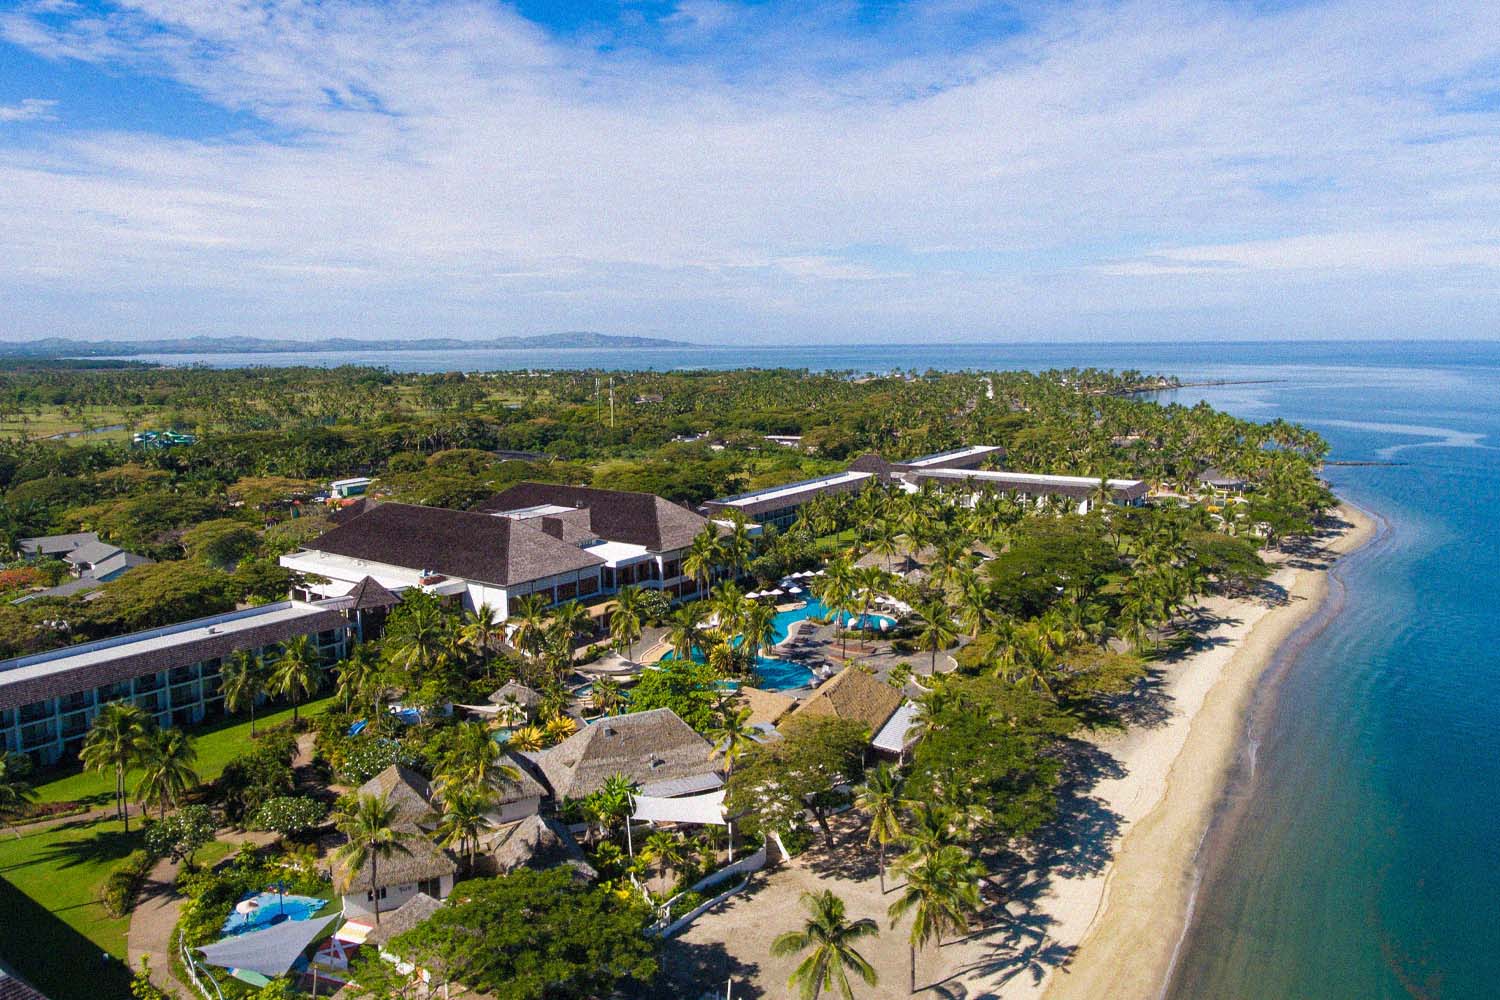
191	964
666	926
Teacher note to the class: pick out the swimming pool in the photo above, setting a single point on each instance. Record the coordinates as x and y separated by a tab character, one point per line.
815	608
272	909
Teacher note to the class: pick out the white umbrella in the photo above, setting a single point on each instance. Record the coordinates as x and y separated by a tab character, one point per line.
752	594
246	906
794	590
774	593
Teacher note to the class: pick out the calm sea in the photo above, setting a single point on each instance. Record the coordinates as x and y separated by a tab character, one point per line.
1360	855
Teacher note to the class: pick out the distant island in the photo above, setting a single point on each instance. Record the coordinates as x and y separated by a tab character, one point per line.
62	347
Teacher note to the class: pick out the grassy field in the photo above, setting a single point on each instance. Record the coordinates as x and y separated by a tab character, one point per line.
50	421
52	928
215	743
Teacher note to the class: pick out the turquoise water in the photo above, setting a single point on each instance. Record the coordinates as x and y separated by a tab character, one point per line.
273	910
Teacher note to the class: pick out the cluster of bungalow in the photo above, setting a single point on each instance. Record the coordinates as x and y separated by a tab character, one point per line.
966	472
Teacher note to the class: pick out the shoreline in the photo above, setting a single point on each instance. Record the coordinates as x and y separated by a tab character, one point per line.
1120	923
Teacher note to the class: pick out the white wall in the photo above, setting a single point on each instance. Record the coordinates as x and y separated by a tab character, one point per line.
357	905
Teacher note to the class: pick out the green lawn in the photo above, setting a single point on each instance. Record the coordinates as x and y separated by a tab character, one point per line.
216	744
53	929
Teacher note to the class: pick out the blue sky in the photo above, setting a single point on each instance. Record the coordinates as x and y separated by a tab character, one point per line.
750	172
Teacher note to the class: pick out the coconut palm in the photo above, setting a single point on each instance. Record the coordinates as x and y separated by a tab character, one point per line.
607	696
419	639
480	631
730	605
732	735
298	673
359	675
114	742
880	799
829	937
611	803
759	629
737	546
374	831
528	620
663	849
937	631
463	819
685	629
476	761
243	680
704	555
166	758
568	620
625	620
942	889
15	789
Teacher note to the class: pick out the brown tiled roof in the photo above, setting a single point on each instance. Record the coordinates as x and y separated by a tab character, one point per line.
871	461
853	695
13	987
646	747
766	707
618	515
457	543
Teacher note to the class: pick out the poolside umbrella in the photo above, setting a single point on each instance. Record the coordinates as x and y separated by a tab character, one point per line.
774	593
794	590
753	594
271	952
246	906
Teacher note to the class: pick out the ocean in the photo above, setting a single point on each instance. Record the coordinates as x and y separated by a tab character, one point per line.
1358	856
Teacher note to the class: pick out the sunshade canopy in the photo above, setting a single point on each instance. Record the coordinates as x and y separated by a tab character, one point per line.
705	810
271	952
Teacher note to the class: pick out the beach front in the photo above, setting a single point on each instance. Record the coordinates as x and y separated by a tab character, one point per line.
1096	911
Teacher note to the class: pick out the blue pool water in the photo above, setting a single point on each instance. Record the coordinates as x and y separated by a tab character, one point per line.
273	910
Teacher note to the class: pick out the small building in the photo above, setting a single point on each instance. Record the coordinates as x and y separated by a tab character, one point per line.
352	487
856	696
540	842
779	505
1222	483
516	701
654	750
88	557
424	868
1032	487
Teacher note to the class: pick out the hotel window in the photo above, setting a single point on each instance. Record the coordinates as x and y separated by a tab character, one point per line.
180	675
567	591
36	710
588	585
370	896
432	887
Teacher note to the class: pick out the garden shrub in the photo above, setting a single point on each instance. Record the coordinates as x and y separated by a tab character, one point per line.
290	815
121	885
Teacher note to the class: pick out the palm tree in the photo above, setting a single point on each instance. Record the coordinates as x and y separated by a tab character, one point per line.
831	937
625	620
568	620
420	638
611	802
244	681
358	676
15	790
664	849
558	728
880	798
480	632
528	737
298	673
166	758
759	629
685	629
703	556
113	742
463	820
730	605
942	889
528	623
607	695
732	736
937	629
372	824
476	762
868	582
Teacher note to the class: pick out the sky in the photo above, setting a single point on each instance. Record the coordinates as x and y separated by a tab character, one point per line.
750	172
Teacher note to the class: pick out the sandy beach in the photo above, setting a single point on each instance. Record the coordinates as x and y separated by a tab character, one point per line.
1097	912
1122	924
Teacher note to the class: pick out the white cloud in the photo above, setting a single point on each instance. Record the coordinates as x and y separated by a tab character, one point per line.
453	166
32	109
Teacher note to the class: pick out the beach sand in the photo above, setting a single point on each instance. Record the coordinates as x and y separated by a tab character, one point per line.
1119	926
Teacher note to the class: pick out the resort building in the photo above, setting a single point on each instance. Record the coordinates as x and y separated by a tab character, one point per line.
779	505
424	868
857	696
654	750
562	542
48	700
1031	488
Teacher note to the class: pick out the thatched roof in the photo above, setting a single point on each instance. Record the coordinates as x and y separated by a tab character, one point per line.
611	663
527	788
404	788
540	842
646	747
517	692
423	860
853	695
403	918
766	707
